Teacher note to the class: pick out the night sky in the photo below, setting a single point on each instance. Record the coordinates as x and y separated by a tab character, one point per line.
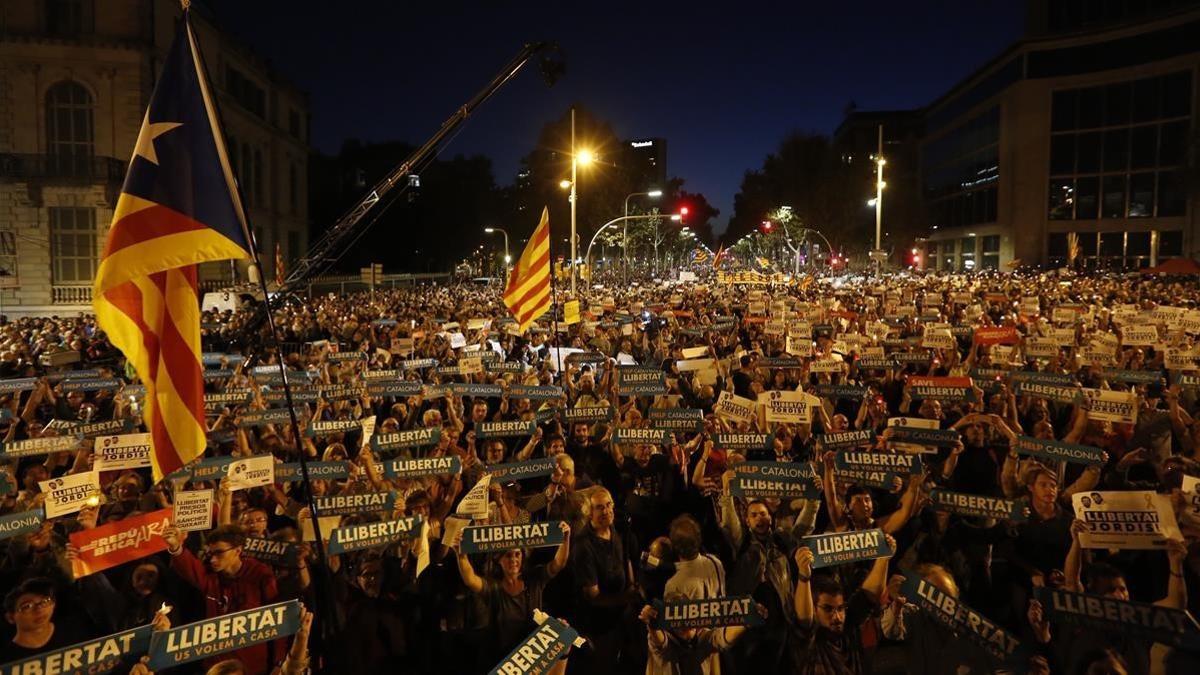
722	86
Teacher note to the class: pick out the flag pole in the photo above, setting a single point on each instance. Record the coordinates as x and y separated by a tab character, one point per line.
327	598
553	311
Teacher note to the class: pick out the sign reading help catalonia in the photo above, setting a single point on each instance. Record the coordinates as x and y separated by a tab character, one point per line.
780	480
222	634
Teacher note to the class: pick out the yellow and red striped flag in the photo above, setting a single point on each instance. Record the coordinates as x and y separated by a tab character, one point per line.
528	293
278	265
178	207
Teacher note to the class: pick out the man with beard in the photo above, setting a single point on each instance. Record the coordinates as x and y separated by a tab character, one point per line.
827	638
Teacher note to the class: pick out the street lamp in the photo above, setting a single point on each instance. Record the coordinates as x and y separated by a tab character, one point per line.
653	194
507	257
879	185
578	157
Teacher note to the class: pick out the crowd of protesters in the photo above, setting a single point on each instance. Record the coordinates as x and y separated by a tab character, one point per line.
643	525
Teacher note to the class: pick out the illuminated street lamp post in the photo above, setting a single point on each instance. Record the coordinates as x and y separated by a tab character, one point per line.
578	157
653	194
507	257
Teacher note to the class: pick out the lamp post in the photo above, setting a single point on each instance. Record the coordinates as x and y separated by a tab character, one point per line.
507	257
577	157
588	256
879	185
653	194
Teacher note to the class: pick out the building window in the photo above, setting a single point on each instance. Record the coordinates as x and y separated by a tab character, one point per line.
68	18
1127	166
1137	249
967	252
72	245
294	124
960	171
294	187
246	175
990	252
258	177
69	129
247	94
1170	244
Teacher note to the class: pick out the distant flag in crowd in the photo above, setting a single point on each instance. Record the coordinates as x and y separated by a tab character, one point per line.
1073	248
700	257
278	265
178	207
528	293
763	262
717	258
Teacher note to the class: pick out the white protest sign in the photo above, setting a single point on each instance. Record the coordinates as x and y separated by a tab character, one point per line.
825	366
251	472
688	365
68	493
1126	520
193	510
475	504
1139	336
127	451
1111	406
694	352
913	423
734	407
793	407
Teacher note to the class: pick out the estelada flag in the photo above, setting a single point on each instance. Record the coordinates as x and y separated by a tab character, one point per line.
178	207
528	293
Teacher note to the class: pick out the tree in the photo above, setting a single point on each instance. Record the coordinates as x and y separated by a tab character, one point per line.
806	174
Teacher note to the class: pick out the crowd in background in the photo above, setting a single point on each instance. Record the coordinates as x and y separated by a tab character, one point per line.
642	523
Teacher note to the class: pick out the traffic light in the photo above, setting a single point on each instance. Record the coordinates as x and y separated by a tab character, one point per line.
683	213
766	227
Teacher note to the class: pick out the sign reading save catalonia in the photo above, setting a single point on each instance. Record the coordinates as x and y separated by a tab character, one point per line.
222	634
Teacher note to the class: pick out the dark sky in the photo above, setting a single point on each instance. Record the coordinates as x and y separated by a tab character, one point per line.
723	85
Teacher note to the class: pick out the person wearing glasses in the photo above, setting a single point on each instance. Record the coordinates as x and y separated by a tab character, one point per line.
230	583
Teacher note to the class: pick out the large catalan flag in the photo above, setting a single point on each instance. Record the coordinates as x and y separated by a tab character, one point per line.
528	293
178	207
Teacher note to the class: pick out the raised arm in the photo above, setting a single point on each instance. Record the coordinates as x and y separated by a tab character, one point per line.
802	600
833	502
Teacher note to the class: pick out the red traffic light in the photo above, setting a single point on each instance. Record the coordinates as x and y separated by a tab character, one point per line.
766	226
683	212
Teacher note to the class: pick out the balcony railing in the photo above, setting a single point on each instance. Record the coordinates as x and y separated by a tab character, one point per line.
65	168
74	294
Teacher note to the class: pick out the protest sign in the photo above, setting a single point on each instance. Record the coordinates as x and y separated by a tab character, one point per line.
348	538
537	654
841	391
291	472
792	407
272	551
98	656
735	610
1053	386
836	440
504	429
979	506
41	446
896	462
997	336
913	423
941	438
1111	616
775	480
414	438
734	407
530	468
677	419
319	429
534	392
250	472
127	451
423	466
1139	336
1125	520
226	633
843	548
941	388
193	510
596	413
640	381
737	441
264	417
954	614
119	542
68	494
1111	406
474	504
22	522
347	504
1058	451
651	436
496	538
91	384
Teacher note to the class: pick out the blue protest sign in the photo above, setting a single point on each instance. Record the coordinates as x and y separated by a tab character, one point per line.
512	471
423	466
979	506
91	657
368	535
537	654
221	634
737	610
14	524
414	438
1153	623
347	504
1058	451
493	538
843	548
